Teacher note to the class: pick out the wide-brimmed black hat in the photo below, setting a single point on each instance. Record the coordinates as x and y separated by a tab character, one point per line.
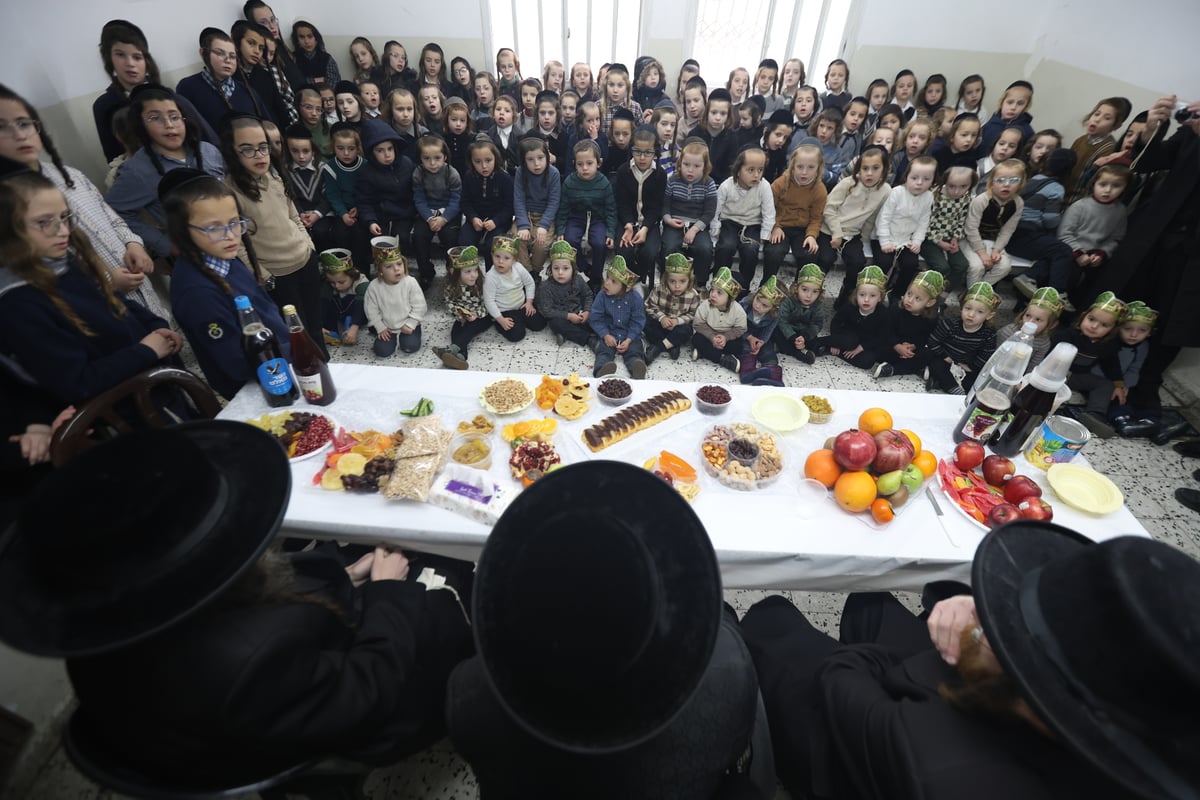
1103	642
597	604
138	533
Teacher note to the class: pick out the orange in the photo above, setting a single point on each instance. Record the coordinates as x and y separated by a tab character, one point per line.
821	466
916	441
926	462
874	420
854	491
882	512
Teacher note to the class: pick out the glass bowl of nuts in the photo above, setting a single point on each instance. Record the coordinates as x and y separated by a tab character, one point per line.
713	400
614	392
820	409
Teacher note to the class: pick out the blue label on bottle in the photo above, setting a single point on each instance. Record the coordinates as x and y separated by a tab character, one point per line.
274	376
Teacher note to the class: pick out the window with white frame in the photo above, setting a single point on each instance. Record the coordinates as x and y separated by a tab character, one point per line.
592	31
740	33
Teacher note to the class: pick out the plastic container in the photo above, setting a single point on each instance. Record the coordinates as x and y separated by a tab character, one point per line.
780	412
723	442
614	401
713	409
819	418
468	445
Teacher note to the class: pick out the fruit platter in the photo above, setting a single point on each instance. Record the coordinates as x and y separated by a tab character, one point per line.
676	472
741	456
361	461
875	470
533	453
987	489
301	434
568	397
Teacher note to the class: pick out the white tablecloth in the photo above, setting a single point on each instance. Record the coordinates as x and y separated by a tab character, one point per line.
763	539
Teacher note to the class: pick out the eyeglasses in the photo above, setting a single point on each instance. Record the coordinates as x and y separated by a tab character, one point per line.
250	151
639	152
461	71
52	226
1009	181
163	121
225	55
25	127
219	233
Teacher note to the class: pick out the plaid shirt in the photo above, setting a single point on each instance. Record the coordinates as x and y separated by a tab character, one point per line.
661	303
465	304
948	218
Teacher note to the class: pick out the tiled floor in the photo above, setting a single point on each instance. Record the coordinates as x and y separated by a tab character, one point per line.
1148	476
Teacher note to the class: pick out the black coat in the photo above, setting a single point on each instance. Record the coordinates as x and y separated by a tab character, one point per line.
237	691
1158	261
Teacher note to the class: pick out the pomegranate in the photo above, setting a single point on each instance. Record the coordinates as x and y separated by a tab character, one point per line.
893	451
998	469
854	449
968	455
1021	488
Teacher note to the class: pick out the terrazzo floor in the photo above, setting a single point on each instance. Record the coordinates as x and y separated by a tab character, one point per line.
1148	476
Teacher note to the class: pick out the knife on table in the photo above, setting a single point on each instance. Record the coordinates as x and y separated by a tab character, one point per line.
941	518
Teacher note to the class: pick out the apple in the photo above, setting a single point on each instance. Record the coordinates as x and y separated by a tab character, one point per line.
968	455
998	469
898	497
887	483
912	478
829	442
854	449
1021	488
894	451
1003	513
1036	509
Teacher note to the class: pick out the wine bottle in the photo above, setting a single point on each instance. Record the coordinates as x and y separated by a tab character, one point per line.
312	371
262	352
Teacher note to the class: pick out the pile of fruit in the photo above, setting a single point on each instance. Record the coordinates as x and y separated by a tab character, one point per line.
676	472
566	396
360	461
533	452
873	467
298	432
996	494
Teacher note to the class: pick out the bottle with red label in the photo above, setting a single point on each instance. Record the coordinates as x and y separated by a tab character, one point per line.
271	370
312	371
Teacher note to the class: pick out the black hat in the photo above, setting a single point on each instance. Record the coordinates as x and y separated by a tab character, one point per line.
624	113
123	23
1060	162
720	93
759	101
596	607
297	130
346	87
780	116
664	102
142	88
87	569
769	63
545	94
618	65
208	33
1103	642
9	168
1020	85
342	125
691	62
179	177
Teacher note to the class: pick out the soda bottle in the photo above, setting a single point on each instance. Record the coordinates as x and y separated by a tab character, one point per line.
271	369
1035	401
312	371
1025	334
993	394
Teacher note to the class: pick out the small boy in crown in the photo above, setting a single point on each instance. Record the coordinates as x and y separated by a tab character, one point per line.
762	318
618	318
342	309
1136	325
720	323
1095	336
508	292
802	315
1043	310
858	330
960	345
910	322
394	304
565	300
670	309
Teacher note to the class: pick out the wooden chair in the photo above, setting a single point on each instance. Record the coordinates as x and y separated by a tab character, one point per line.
103	412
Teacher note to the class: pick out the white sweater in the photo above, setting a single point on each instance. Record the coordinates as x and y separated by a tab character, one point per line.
851	209
508	291
395	305
754	206
903	217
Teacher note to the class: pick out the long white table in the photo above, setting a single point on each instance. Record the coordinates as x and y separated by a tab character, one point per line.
763	539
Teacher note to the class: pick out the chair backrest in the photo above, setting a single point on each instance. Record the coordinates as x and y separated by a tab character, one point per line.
92	756
105	409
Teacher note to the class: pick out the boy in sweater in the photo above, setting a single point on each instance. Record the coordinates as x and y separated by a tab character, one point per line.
588	192
640	187
904	219
1094	226
565	300
618	318
961	344
802	315
340	182
395	305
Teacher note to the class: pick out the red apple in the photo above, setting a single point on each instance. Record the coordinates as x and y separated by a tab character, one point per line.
854	449
998	469
968	455
894	451
1021	488
1036	509
1005	512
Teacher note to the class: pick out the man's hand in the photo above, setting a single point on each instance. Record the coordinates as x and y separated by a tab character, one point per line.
947	621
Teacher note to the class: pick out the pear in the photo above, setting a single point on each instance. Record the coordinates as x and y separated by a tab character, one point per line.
889	482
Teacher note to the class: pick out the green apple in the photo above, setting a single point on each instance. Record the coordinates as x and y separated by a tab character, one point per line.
912	477
889	482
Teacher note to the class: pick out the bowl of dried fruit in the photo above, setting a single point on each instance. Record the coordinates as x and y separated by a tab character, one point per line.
614	392
820	409
713	399
471	450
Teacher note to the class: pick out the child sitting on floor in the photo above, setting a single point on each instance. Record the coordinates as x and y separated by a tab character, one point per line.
802	315
508	292
762	318
720	323
565	300
962	343
1137	323
1095	334
858	330
909	324
1043	311
342	310
464	301
395	305
670	308
618	318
